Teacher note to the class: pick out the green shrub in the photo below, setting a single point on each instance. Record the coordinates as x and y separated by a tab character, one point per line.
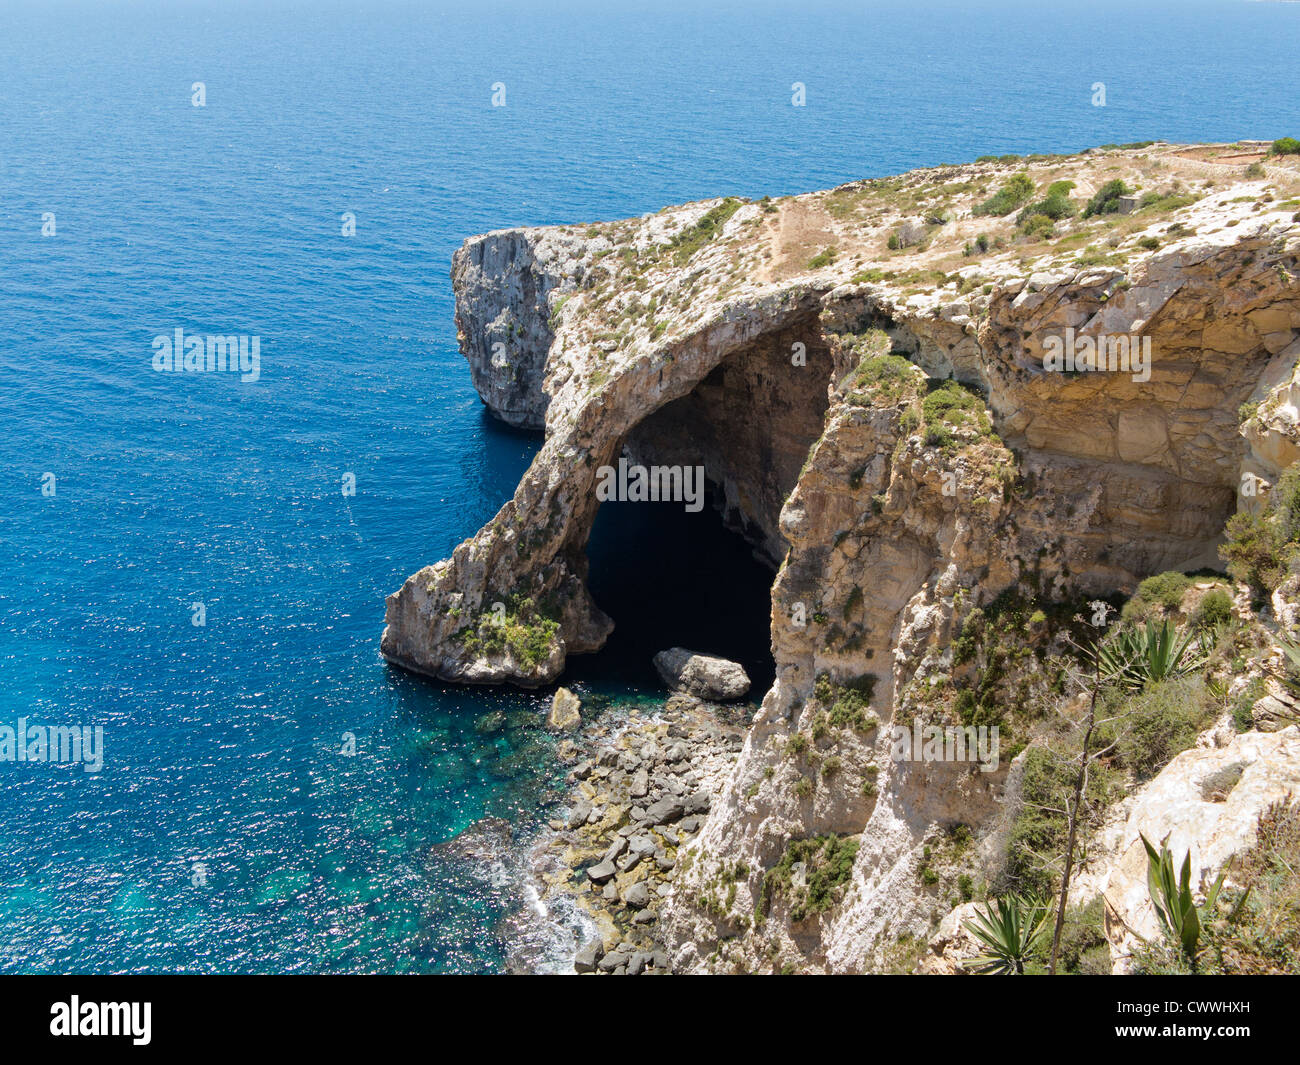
1015	193
1106	199
1214	609
1084	949
1243	719
847	705
1253	552
1284	504
1056	205
1039	225
951	406
1285	146
1036	839
828	865
884	379
1161	722
1157	596
525	631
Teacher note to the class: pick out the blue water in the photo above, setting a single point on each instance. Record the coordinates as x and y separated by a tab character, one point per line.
227	831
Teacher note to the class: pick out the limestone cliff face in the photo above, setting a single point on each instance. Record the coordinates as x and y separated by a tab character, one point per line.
503	321
796	355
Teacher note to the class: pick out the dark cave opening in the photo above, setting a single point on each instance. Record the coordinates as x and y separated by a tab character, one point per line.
671	578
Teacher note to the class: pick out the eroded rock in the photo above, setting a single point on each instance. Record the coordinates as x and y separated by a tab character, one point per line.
704	676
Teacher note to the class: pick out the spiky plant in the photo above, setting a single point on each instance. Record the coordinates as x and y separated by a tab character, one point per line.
1012	930
1147	655
1171	894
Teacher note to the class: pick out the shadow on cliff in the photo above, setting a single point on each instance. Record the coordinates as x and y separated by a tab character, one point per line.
673	579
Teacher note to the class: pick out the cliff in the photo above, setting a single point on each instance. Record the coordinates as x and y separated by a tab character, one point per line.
796	348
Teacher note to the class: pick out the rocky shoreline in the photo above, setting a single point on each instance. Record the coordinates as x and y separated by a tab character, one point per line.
641	789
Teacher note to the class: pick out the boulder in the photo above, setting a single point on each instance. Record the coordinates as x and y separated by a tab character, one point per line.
952	944
1208	801
579	814
664	810
704	676
601	872
1273	713
637	896
697	802
588	955
566	711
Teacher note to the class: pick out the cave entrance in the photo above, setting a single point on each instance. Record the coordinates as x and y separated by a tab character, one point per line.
703	580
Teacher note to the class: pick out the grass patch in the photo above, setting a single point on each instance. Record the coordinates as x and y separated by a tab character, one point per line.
824	258
693	238
951	413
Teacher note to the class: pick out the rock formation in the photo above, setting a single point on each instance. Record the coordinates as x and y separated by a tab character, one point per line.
798	349
704	676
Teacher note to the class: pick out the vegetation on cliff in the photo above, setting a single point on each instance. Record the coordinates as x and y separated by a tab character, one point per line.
518	628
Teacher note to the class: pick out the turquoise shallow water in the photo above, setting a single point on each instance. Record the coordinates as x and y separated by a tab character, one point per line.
227	831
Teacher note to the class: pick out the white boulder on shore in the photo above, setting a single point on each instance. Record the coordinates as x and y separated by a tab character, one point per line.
566	711
704	676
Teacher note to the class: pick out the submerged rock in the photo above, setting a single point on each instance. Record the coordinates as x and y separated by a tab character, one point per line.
704	676
492	721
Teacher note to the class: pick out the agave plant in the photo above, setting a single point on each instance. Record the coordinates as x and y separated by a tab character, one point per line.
1171	895
1012	929
1137	657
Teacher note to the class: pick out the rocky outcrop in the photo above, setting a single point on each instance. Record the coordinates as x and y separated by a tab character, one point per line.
790	350
1207	802
503	282
704	676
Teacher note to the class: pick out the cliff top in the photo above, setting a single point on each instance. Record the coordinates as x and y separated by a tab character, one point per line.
927	237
